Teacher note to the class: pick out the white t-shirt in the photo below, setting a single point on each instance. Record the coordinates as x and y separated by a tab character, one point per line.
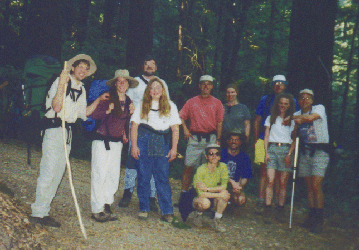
136	94
154	120
279	132
73	110
316	132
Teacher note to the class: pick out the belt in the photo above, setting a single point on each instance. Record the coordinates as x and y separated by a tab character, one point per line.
279	144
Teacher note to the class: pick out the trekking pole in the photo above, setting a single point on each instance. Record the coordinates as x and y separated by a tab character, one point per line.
68	162
294	172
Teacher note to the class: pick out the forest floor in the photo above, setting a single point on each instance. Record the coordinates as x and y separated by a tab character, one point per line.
245	229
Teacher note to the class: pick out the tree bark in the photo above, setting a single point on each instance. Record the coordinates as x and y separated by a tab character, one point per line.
310	55
109	15
43	33
268	68
347	83
140	33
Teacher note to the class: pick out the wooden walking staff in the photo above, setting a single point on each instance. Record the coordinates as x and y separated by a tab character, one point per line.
294	173
68	161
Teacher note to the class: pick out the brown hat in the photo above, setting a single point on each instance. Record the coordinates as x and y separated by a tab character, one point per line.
132	82
93	66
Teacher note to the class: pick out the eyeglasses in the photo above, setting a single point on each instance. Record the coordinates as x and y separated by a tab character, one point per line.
305	98
234	140
212	154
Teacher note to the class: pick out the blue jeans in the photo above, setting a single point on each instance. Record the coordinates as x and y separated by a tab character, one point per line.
158	166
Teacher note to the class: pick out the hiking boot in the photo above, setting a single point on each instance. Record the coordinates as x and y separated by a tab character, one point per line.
142	215
111	216
45	221
169	218
318	221
153	204
280	214
309	221
198	220
259	208
218	226
126	198
100	217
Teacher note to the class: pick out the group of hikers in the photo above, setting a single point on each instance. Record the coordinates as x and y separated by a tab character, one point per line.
139	111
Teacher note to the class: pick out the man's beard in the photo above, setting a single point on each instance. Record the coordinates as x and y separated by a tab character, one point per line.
145	73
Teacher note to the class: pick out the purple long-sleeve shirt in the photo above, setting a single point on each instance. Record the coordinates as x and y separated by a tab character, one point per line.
117	126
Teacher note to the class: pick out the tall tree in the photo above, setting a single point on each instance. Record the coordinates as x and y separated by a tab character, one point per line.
140	33
310	55
347	81
110	11
43	33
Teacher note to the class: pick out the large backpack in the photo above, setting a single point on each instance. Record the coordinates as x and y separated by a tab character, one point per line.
98	87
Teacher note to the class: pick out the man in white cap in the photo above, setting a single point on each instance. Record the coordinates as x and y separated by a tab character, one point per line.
149	68
279	85
53	162
311	123
205	114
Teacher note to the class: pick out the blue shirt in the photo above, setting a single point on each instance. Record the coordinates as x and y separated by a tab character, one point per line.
263	110
239	166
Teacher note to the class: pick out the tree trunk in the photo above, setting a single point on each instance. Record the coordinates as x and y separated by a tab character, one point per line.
347	83
140	33
82	21
233	57
218	39
310	55
268	68
43	34
180	38
110	10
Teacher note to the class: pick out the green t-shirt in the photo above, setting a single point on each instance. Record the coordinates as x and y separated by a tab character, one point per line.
218	178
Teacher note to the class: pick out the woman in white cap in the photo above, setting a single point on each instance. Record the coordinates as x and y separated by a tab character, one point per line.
114	115
278	146
152	146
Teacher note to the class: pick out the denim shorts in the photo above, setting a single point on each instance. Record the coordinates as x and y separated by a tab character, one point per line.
277	155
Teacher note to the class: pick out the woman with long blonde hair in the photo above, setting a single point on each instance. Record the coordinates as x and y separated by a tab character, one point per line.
153	148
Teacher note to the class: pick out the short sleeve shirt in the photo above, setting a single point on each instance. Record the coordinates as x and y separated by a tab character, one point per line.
154	120
263	109
279	132
204	114
73	109
317	131
218	178
234	117
239	166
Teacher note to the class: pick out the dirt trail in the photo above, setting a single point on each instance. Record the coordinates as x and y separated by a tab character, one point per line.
245	230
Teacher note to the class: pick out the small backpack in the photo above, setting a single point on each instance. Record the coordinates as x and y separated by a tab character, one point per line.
98	87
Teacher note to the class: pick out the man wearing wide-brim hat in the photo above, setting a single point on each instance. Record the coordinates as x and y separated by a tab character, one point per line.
53	162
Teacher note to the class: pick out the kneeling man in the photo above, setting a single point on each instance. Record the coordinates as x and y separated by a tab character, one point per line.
210	182
239	166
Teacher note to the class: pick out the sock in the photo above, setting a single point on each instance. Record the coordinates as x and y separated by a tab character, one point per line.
184	191
218	216
199	213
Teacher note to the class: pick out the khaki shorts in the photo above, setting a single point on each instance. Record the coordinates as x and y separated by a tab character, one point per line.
195	155
316	165
259	152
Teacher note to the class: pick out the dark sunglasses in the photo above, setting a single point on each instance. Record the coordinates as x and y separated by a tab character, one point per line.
212	154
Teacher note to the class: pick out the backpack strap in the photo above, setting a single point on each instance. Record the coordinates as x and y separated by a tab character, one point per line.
143	79
70	91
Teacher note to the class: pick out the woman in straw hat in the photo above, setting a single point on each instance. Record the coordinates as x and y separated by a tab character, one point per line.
114	115
151	146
